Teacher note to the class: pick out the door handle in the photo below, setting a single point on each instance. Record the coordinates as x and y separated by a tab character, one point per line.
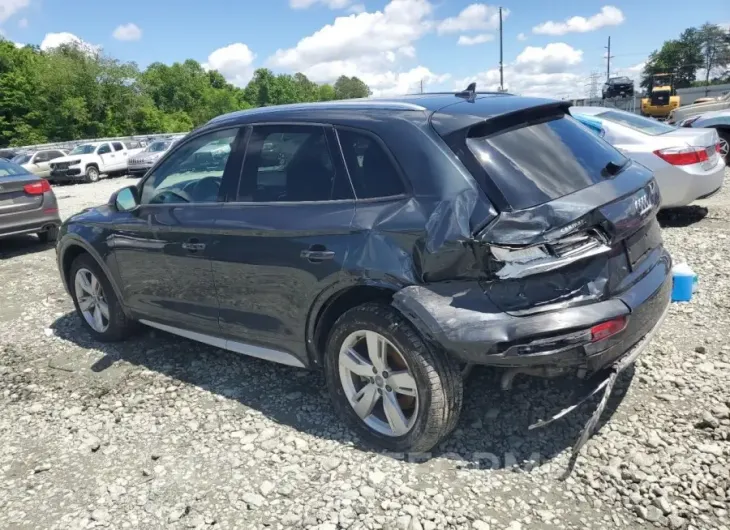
317	253
193	245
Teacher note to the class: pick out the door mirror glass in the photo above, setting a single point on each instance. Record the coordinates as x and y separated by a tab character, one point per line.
126	199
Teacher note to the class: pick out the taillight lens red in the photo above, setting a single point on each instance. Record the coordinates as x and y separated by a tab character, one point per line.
607	329
37	188
683	156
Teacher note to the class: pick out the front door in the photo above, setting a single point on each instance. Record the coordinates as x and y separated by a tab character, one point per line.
41	164
120	156
107	156
179	207
283	238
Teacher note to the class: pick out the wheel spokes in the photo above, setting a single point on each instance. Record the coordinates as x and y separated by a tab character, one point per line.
394	414
98	319
402	382
104	308
376	350
86	303
83	283
365	399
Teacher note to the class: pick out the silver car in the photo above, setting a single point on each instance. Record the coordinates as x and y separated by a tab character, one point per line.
717	119
686	162
685	111
38	162
141	162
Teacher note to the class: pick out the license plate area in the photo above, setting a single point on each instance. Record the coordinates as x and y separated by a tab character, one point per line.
639	245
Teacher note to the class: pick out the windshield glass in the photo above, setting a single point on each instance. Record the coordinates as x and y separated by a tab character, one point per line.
156	147
621	80
636	122
84	149
563	157
9	169
21	159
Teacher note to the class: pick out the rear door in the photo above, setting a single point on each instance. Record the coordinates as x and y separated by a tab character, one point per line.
107	156
283	237
120	154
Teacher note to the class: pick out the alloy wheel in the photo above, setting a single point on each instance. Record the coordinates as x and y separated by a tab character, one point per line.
92	302
724	148
378	383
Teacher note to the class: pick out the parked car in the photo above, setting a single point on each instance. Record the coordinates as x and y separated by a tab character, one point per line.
402	240
617	87
686	162
38	162
88	162
141	162
134	147
686	111
9	154
27	204
718	120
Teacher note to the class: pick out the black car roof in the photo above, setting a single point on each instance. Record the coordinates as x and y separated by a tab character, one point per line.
485	105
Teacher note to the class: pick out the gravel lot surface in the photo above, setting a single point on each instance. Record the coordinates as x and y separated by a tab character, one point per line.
161	432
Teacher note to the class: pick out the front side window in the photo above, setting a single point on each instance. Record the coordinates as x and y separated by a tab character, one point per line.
54	154
290	163
118	146
104	149
544	160
41	157
371	169
193	173
157	147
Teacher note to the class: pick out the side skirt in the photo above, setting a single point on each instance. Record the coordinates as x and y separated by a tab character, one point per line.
230	345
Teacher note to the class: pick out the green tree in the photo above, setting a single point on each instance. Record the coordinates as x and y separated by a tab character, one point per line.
350	87
681	57
715	46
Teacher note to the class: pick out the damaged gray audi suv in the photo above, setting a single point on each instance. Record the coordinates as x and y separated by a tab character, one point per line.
390	243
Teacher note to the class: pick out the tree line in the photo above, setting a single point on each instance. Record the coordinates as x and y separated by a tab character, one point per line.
705	49
69	93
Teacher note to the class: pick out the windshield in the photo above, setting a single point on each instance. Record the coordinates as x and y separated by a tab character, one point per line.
621	80
157	147
563	157
636	122
10	169
21	159
84	149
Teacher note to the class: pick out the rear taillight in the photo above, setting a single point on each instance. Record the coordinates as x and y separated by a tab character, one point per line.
607	329
683	156
37	188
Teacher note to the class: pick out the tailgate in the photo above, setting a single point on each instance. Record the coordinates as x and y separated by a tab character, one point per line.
13	197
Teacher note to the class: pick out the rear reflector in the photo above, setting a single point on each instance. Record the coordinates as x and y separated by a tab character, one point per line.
607	329
37	188
50	210
683	156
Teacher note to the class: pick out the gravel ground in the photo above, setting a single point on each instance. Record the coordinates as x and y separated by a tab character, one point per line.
160	432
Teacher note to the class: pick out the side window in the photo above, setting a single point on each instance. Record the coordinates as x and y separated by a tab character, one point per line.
118	146
290	163
193	173
104	149
41	157
371	169
54	154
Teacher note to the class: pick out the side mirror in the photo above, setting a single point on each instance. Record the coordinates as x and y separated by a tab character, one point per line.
125	199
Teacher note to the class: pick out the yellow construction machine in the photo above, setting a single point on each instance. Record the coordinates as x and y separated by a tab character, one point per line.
662	97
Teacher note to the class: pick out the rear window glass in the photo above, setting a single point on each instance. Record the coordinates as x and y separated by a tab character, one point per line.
636	122
8	169
544	161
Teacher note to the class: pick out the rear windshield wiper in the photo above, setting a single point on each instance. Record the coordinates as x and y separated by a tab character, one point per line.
612	169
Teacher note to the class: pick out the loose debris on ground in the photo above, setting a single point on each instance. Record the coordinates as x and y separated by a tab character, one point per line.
160	432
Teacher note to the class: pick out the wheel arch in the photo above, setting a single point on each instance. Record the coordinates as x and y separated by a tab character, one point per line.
333	304
73	249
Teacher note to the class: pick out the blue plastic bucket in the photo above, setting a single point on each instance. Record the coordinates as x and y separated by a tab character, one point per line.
683	283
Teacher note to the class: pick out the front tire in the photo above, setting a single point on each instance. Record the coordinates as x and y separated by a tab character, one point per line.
92	174
96	302
398	392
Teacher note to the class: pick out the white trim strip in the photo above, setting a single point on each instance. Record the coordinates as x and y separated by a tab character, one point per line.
230	345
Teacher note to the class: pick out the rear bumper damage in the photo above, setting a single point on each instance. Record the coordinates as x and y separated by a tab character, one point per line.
462	319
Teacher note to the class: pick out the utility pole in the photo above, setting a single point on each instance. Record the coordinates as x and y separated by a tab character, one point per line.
501	61
608	60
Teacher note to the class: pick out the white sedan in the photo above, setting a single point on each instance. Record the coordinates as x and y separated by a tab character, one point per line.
686	162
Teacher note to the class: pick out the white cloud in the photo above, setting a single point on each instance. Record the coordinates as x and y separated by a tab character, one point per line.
332	4
127	32
465	40
23	23
375	46
357	8
521	37
473	18
9	7
54	40
608	16
234	62
547	72
391	83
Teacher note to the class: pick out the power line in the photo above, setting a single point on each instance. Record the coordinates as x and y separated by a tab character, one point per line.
593	85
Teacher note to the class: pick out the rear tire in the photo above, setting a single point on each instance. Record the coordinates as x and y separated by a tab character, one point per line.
724	145
114	325
92	174
428	412
48	236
